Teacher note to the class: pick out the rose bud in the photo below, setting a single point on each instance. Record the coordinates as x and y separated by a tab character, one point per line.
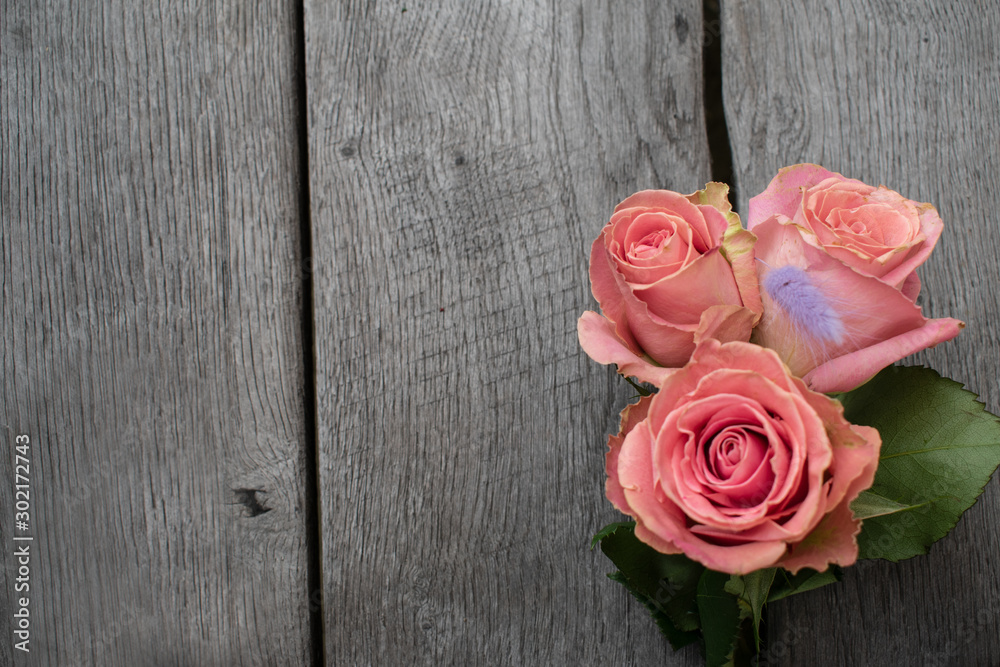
738	465
837	261
669	270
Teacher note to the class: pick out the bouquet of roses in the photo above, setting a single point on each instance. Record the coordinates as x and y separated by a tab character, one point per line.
778	443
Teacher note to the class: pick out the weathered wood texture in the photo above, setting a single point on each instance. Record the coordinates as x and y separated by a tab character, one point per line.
908	95
462	158
152	343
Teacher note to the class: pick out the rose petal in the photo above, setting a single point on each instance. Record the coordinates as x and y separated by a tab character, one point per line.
783	194
725	324
851	370
655	521
854	459
833	540
692	483
804	433
732	559
631	416
602	344
737	243
878	266
668	342
656	245
635	475
931	226
835	193
911	287
878	225
604	285
708	233
681	298
710	356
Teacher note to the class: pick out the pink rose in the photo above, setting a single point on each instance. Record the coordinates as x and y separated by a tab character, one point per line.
669	270
738	465
840	303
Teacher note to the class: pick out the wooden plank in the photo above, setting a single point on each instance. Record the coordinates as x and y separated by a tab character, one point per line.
152	344
908	95
462	158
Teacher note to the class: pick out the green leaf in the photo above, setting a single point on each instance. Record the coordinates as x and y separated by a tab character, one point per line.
939	448
752	590
667	582
678	638
720	618
609	530
870	504
786	584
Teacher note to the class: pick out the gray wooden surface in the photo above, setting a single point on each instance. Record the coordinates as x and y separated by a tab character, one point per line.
461	158
152	343
907	95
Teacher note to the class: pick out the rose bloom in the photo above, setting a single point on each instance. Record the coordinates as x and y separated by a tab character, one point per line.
667	271
738	465
846	308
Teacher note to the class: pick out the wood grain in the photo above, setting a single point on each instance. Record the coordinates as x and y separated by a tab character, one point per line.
907	95
152	331
463	156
